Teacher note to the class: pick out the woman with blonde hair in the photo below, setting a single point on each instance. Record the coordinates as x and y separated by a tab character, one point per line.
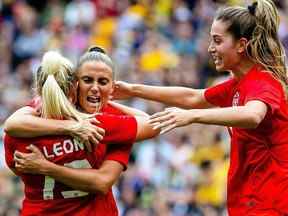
60	177
252	104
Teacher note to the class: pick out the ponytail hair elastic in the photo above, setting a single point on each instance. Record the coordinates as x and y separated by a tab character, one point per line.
96	49
252	8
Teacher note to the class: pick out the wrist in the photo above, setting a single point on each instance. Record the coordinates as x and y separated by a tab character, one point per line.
194	116
46	167
135	90
68	127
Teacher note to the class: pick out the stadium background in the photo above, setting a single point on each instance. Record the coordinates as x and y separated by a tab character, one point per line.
159	42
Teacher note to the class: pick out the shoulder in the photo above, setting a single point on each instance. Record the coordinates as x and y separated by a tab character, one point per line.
266	77
108	109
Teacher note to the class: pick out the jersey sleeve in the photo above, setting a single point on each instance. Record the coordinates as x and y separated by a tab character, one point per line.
268	91
218	95
120	154
119	129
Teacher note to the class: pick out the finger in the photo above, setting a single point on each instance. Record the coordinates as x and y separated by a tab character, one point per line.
154	124
158	114
97	136
165	130
88	146
160	119
167	123
101	131
19	154
159	126
94	121
33	149
18	160
18	166
93	141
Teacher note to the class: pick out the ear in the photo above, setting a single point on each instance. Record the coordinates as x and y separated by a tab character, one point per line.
242	44
73	94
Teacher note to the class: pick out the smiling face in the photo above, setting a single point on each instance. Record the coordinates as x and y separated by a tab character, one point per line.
95	85
223	48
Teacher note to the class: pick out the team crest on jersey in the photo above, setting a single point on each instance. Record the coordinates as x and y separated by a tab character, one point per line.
235	101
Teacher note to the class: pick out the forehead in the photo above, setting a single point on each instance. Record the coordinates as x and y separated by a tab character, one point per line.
95	69
219	28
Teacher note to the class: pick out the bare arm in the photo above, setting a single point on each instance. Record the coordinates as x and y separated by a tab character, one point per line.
25	123
248	116
145	129
187	98
90	180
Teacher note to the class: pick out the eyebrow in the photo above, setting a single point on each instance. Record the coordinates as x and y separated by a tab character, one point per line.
216	35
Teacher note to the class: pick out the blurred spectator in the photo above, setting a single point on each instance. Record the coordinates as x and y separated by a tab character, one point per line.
160	42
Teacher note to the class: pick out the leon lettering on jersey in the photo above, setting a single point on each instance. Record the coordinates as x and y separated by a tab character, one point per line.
66	146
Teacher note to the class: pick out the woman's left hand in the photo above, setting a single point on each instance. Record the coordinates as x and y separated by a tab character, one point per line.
33	162
170	118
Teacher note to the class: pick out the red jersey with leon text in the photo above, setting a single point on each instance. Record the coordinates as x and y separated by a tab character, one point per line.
258	173
44	195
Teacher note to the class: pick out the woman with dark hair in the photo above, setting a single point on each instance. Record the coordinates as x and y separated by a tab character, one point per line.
252	104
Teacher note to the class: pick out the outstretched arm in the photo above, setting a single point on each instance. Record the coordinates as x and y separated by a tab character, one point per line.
247	116
187	98
90	180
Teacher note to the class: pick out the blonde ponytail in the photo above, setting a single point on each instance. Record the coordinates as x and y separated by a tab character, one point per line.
54	80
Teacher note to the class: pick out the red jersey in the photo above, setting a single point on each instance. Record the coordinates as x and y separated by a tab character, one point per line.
44	195
105	205
258	173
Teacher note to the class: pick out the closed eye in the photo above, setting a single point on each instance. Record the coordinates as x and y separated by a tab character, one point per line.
216	40
87	79
103	81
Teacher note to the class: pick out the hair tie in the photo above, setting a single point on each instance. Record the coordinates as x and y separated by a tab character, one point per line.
252	8
96	49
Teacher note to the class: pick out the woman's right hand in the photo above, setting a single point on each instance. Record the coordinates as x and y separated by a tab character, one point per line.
33	162
122	91
87	132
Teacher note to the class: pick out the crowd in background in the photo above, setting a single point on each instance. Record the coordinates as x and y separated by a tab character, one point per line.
158	42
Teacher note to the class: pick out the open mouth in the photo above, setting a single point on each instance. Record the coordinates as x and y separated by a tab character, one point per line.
94	102
217	60
93	99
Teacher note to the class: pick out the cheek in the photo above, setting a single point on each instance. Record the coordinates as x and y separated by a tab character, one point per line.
228	51
106	92
81	92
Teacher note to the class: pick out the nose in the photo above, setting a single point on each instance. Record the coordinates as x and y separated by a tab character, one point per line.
95	87
211	48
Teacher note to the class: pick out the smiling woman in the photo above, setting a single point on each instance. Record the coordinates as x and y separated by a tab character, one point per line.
252	104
